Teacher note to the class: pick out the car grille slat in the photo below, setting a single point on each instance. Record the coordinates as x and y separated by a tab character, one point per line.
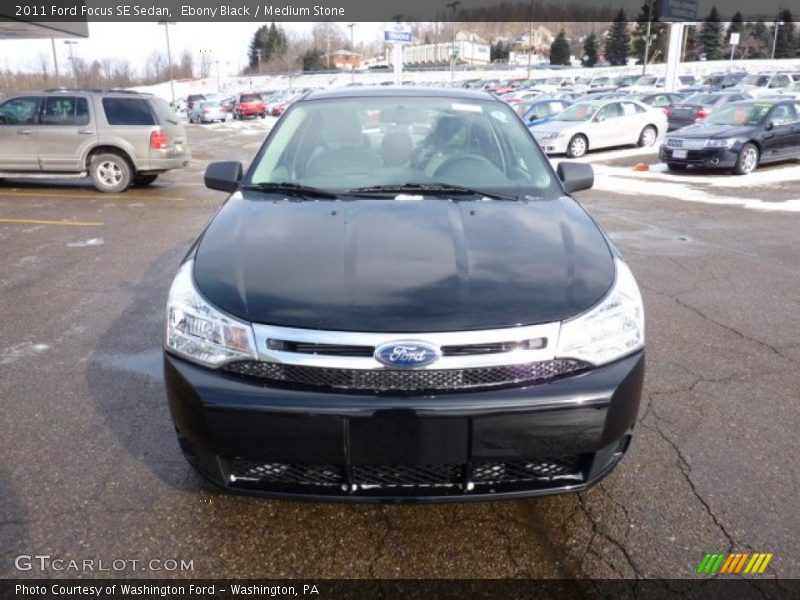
381	479
685	144
410	380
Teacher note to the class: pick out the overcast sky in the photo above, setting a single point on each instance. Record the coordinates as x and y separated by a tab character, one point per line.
136	41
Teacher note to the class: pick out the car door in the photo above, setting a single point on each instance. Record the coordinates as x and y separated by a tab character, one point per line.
779	138
604	130
18	123
65	133
794	146
631	123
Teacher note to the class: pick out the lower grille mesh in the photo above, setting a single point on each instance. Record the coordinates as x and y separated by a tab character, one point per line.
417	478
419	380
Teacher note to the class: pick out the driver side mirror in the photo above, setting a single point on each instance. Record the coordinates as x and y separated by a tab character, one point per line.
769	126
223	176
575	177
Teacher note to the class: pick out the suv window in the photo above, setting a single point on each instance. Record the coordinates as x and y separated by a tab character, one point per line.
249	98
128	111
163	110
19	111
65	110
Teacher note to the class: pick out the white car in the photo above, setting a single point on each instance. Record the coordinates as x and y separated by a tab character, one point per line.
764	84
595	124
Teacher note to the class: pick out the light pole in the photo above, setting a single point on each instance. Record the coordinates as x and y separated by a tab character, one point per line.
530	38
55	59
775	37
219	89
71	43
453	6
647	39
166	25
352	55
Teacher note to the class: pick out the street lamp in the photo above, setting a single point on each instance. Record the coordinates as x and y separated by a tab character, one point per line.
166	25
55	59
453	6
530	38
352	55
647	40
71	43
775	37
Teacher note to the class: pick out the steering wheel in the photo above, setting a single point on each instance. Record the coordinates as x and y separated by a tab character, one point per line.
462	162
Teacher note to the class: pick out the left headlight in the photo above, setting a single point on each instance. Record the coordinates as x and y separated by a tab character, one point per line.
711	143
612	329
549	135
198	331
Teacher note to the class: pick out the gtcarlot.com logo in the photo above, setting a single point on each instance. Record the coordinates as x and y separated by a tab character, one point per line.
47	562
745	563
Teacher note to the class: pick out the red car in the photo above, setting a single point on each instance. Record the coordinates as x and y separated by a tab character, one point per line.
249	105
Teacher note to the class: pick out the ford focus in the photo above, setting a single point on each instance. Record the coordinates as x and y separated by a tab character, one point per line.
401	300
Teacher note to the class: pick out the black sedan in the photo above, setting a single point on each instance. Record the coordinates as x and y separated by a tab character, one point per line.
401	300
739	136
697	107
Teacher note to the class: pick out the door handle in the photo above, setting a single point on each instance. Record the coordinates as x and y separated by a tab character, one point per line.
85	131
24	131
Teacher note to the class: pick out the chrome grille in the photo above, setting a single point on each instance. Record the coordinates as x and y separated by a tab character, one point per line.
686	144
414	380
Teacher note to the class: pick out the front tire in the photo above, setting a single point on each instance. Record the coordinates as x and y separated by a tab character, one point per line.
577	146
648	136
747	161
110	173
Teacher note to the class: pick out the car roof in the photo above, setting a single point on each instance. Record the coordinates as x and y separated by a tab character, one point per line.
401	92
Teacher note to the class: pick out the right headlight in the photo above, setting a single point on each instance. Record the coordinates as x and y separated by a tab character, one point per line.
610	330
198	331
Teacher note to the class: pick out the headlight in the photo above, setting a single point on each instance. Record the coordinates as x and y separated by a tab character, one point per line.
720	143
549	135
198	331
612	329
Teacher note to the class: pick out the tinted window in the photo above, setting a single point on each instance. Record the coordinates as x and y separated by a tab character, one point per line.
128	111
163	110
19	111
250	98
60	110
783	114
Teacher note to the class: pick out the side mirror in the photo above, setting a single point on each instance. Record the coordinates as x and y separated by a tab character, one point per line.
223	176
575	176
769	126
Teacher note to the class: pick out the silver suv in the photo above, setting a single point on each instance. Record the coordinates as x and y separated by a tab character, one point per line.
117	138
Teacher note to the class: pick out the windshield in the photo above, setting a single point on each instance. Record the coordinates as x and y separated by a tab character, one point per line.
350	143
702	99
646	80
758	80
250	98
582	111
739	114
553	81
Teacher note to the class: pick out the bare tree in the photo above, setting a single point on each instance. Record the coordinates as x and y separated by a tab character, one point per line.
155	67
205	64
186	67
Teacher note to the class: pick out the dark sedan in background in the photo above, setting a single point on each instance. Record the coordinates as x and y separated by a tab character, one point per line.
739	136
401	300
697	107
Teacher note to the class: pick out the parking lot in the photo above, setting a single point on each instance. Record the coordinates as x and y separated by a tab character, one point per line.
91	467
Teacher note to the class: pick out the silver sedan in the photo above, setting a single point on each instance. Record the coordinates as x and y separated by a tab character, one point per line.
207	112
601	124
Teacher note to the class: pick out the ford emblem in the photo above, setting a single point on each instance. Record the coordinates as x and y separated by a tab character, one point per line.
407	355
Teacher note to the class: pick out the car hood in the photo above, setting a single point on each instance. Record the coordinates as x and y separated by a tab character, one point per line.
556	125
402	266
711	131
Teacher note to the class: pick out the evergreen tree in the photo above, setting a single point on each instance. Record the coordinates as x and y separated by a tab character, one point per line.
785	46
499	51
560	51
650	9
618	40
758	42
589	50
711	35
270	41
313	60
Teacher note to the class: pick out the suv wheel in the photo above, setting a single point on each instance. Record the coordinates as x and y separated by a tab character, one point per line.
144	179
110	173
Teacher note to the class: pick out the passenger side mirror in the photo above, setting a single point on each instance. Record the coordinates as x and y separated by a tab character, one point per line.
769	126
575	176
223	176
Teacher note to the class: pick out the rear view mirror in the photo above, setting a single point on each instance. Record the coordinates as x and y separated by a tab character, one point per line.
575	176
223	176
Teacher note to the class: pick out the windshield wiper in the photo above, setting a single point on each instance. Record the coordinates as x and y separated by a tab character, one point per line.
429	189
288	187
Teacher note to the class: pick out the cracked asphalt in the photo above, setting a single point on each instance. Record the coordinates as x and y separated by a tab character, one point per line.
91	469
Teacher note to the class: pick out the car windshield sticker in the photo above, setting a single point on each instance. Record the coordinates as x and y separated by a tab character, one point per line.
467	107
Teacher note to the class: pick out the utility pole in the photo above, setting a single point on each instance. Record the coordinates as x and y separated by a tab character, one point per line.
55	59
775	37
166	25
530	38
352	55
71	43
453	6
259	53
219	89
647	39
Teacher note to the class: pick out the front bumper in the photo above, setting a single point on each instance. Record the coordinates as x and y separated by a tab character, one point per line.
707	157
554	146
564	435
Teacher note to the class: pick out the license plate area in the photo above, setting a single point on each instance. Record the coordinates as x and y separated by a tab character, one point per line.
404	440
679	154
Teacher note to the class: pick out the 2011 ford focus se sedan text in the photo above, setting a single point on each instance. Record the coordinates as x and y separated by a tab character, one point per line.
400	300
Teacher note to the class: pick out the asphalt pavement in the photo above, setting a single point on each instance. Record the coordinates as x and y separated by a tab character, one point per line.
91	469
